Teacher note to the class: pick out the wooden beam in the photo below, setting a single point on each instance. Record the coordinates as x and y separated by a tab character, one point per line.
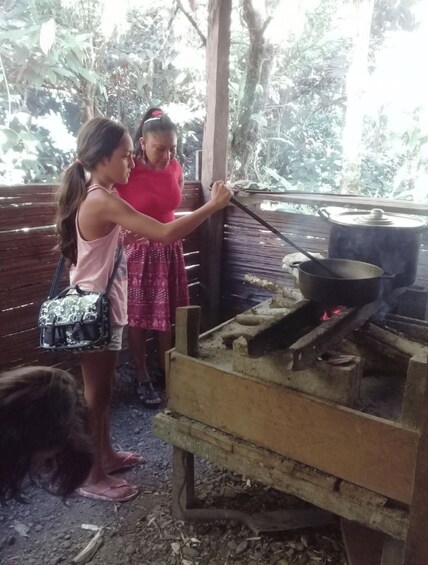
351	445
273	470
214	152
254	198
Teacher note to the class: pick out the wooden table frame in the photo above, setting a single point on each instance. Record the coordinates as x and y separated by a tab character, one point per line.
380	483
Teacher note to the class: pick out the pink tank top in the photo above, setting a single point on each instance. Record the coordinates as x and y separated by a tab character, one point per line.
95	262
154	193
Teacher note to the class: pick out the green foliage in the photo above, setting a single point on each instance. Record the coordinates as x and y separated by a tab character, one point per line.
58	59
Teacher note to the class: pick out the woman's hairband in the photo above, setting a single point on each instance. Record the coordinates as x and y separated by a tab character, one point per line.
155	115
78	161
151	119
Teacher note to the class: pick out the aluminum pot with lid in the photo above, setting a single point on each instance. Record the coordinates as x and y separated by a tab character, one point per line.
390	241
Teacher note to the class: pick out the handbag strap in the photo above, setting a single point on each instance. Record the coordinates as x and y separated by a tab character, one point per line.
54	286
119	252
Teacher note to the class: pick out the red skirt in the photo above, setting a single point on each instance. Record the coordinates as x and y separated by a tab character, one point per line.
157	284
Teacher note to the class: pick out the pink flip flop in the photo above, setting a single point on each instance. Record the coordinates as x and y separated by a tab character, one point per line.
103	495
129	460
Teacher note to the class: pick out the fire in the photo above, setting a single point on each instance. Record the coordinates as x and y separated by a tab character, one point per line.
331	311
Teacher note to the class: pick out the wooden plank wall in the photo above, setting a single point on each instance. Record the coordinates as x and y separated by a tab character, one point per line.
248	247
27	259
27	265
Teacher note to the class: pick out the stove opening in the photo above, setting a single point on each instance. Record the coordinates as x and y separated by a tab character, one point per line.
331	311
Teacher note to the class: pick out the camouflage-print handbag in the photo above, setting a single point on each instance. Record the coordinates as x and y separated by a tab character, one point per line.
76	319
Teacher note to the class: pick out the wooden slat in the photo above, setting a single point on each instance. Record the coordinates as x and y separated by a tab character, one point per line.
27	265
19	319
319	200
337	440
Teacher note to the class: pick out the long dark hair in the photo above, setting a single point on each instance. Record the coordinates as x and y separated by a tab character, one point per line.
41	411
154	120
97	139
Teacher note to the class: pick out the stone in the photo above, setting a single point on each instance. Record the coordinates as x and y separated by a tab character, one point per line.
38	528
229	492
241	547
190	552
130	550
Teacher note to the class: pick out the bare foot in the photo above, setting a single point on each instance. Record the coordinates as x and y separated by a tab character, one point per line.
110	488
122	460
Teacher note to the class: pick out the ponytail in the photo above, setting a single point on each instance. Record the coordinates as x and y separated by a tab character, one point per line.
98	139
71	193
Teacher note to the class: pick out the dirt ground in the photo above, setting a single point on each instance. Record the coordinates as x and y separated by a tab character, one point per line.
45	531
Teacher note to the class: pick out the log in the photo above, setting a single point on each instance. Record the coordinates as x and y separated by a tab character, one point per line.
293	294
401	344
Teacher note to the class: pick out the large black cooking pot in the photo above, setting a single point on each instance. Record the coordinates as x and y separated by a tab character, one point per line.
390	241
357	283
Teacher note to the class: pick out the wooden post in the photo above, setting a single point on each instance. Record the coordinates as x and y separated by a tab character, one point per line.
187	322
198	165
393	550
214	151
414	392
183	482
416	550
363	546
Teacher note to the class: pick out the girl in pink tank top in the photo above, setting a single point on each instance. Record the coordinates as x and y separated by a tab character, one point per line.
90	215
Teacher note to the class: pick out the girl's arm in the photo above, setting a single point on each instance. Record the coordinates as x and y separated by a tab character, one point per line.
119	212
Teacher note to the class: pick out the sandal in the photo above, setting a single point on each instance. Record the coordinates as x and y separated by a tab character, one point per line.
147	394
128	461
108	493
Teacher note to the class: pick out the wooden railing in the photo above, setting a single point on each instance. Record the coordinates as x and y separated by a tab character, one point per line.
27	265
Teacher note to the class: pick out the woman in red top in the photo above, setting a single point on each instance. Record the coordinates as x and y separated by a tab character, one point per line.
157	281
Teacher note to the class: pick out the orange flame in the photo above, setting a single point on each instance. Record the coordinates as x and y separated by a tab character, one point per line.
331	311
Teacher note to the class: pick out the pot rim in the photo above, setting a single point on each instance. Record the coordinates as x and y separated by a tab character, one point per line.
354	218
363	264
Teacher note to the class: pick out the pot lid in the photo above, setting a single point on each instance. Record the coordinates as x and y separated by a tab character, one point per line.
375	218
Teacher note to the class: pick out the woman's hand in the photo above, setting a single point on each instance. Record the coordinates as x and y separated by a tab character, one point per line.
220	194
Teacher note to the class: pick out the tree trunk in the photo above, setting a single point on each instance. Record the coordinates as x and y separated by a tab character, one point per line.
355	89
259	61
